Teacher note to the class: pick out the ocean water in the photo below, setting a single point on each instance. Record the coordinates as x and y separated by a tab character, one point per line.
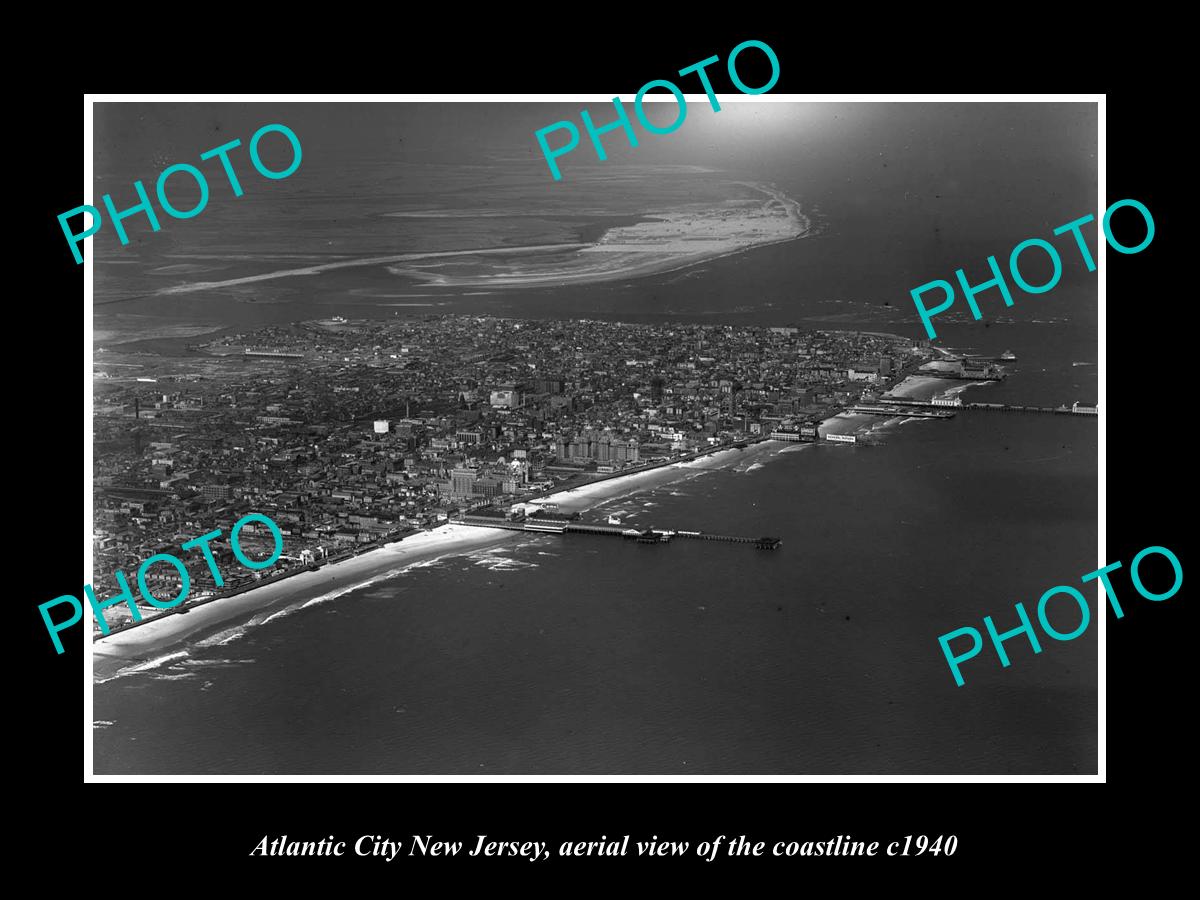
590	655
593	655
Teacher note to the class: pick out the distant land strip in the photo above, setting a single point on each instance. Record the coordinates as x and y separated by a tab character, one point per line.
366	261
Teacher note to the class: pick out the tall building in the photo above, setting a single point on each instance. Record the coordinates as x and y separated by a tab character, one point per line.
469	437
216	492
488	486
604	448
625	451
462	482
507	397
580	447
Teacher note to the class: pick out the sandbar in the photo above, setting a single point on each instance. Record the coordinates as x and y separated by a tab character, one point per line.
667	240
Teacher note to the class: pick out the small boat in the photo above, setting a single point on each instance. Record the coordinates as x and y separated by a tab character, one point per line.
1008	355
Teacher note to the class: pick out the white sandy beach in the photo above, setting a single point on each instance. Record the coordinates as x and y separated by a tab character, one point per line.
586	496
167	636
921	387
139	645
914	387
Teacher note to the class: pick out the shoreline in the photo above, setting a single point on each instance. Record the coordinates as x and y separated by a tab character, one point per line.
914	386
135	647
167	636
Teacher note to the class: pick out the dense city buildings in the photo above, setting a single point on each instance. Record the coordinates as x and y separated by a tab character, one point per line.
349	434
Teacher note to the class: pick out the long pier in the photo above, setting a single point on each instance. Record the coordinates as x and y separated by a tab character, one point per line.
641	535
1055	410
1076	410
892	411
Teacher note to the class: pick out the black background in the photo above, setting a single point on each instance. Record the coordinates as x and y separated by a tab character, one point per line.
1005	832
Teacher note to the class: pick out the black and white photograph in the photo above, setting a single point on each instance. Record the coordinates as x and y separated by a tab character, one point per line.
490	437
